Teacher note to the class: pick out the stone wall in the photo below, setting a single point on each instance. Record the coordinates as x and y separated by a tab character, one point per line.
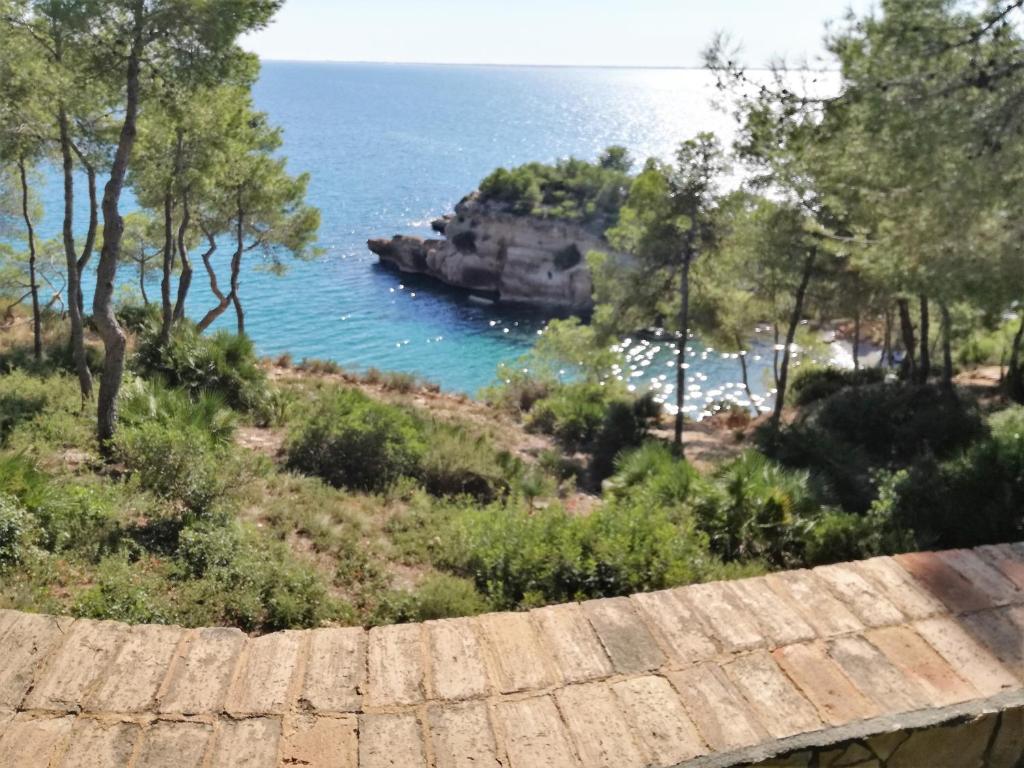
994	740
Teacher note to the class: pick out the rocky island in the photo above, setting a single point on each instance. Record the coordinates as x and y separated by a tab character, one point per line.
523	237
492	251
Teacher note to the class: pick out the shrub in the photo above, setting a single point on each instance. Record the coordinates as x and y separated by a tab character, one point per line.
351	441
517	558
439	596
573	413
655	472
15	532
454	461
177	463
846	438
23	397
624	426
315	365
642	538
517	391
811	384
974	498
223	363
208	547
836	536
123	590
896	422
402	383
144	402
762	511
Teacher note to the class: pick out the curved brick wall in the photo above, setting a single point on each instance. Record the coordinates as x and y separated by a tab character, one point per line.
806	667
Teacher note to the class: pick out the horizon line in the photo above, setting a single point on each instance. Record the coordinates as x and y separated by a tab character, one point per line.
681	67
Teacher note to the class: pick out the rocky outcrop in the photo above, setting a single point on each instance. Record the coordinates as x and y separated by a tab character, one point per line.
509	257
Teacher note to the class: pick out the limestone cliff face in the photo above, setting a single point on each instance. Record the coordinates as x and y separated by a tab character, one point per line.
508	257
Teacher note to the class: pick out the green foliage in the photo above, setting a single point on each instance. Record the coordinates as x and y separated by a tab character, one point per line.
354	442
439	596
22	398
456	462
224	364
975	497
763	512
570	189
813	383
15	532
572	413
178	463
846	438
152	402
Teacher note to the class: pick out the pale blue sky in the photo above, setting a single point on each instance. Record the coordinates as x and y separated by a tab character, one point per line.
595	32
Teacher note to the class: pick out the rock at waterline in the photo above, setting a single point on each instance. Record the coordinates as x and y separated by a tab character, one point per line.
517	259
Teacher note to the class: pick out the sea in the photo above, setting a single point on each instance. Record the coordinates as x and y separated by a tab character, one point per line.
389	147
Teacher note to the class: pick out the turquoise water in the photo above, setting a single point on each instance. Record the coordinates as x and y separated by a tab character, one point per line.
389	148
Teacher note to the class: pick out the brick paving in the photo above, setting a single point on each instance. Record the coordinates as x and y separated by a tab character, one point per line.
654	680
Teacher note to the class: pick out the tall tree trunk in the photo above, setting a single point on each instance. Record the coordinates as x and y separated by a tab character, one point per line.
947	347
684	327
33	285
794	322
924	368
1014	382
223	302
167	309
743	368
775	356
856	340
908	369
886	359
142	279
114	341
94	220
185	278
75	313
236	267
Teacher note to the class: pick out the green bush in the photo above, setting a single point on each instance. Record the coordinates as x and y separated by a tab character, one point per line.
454	462
518	558
654	471
894	423
762	512
439	596
517	391
352	441
178	463
124	590
224	364
22	398
571	189
206	547
811	384
976	497
15	532
645	536
845	439
573	413
152	402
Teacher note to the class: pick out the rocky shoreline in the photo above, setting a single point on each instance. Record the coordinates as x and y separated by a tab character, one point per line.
500	255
